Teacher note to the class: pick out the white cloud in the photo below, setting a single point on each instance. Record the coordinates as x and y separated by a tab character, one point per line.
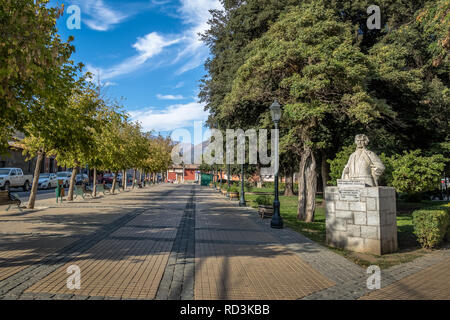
195	13
147	47
158	3
179	85
109	84
169	97
98	16
174	117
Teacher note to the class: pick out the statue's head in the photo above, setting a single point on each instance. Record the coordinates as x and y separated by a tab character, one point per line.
361	141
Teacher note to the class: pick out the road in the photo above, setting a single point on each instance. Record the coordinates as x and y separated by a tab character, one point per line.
42	194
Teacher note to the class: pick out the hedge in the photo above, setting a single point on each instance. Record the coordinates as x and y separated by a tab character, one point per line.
264	200
431	225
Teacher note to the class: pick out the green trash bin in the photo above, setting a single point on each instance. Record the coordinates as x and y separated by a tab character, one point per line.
206	179
59	191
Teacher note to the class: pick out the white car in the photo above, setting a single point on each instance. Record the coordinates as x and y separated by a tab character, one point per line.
47	181
65	177
14	178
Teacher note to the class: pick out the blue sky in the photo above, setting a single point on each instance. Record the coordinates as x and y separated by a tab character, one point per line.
147	52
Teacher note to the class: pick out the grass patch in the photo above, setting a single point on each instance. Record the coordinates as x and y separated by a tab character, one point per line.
409	248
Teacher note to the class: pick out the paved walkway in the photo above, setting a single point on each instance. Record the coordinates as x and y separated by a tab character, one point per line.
185	242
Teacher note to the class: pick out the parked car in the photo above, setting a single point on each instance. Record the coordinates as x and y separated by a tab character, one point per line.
108	178
47	181
65	177
14	178
81	178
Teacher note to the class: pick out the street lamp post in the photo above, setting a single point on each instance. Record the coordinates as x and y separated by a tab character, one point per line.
242	197
217	178
182	163
228	178
277	221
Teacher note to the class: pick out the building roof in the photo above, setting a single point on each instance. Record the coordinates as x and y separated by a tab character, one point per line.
186	166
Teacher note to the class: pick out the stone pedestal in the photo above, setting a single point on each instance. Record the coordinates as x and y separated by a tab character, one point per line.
361	219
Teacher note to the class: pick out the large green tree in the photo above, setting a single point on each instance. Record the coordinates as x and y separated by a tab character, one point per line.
310	61
33	61
336	77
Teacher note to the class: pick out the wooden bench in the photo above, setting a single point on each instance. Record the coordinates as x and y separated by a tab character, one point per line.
116	188
265	211
6	198
101	188
87	191
78	192
82	191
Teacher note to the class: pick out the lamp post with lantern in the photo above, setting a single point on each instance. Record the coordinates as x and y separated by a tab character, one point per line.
277	221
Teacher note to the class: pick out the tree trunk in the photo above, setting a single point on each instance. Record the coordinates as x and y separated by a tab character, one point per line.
260	182
94	187
124	179
37	169
325	172
307	185
140	176
72	184
134	177
113	187
289	184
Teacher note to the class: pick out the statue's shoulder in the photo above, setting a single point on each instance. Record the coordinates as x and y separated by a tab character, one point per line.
369	152
372	155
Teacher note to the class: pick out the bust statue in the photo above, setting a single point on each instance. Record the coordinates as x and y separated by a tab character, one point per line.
363	164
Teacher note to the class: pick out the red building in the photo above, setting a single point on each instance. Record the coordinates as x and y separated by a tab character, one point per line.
186	173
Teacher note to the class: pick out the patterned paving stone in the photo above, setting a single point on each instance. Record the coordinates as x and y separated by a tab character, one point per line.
186	242
178	280
32	274
432	283
236	258
128	263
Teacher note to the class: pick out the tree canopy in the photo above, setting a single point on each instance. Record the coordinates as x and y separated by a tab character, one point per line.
334	77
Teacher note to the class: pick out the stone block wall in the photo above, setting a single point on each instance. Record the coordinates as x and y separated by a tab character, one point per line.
367	224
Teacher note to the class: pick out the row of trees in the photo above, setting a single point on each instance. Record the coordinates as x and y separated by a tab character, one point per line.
54	103
334	77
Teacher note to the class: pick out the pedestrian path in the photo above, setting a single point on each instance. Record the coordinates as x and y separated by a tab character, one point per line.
186	242
432	283
236	258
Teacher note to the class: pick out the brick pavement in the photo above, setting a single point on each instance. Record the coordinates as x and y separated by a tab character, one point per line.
178	280
185	242
236	258
432	283
127	263
114	216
